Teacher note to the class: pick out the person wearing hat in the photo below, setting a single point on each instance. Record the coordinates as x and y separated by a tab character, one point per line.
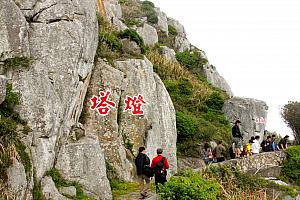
237	138
159	166
141	161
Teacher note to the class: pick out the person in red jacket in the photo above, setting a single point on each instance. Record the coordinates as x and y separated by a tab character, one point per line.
159	166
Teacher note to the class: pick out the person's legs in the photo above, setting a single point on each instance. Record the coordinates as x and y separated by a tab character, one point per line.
147	186
141	184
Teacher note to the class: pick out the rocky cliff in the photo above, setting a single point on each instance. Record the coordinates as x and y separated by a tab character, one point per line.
47	55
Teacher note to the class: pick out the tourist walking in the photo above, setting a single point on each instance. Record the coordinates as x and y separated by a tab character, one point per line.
255	147
208	154
220	152
273	143
159	167
283	142
266	144
237	138
142	163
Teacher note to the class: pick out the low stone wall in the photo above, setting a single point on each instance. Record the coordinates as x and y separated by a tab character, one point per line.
265	164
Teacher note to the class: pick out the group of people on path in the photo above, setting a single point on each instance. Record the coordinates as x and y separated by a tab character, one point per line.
238	150
145	171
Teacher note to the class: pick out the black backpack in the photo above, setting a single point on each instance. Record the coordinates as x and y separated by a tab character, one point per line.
159	166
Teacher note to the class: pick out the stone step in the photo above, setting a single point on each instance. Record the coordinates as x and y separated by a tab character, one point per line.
136	196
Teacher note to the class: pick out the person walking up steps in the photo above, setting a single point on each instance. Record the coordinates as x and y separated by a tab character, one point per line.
142	163
159	167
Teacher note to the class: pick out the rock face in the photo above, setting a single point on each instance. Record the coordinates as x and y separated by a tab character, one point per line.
181	42
14	31
251	112
49	190
17	181
162	21
167	53
3	82
113	13
121	133
148	33
83	161
216	79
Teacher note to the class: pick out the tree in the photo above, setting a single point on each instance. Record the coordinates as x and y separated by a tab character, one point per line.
291	115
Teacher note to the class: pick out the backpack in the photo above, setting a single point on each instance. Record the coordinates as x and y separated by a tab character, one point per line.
159	166
148	171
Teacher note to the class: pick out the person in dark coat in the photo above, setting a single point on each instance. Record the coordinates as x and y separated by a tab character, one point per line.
142	161
237	138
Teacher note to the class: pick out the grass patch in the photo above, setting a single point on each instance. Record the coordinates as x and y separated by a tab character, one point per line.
60	182
150	13
134	36
120	188
17	62
172	30
11	146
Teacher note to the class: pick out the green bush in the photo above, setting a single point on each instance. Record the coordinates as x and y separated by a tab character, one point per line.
134	36
111	40
248	181
192	60
148	8
10	142
215	101
172	30
186	126
291	166
190	186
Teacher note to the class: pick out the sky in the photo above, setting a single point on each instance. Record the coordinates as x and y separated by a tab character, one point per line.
254	44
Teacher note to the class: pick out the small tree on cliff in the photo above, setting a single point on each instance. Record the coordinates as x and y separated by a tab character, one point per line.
291	115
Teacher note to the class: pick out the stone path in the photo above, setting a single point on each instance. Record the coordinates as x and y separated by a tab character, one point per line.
136	196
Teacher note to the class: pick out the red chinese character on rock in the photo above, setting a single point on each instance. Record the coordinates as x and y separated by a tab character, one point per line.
102	104
135	104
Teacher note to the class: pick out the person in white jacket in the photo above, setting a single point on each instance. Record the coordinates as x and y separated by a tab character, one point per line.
255	147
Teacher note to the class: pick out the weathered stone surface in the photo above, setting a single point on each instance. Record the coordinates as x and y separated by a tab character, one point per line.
3	82
179	27
17	182
49	190
13	31
256	163
167	53
216	79
247	110
83	161
121	133
190	163
162	21
62	47
131	46
137	195
70	191
114	14
182	44
148	33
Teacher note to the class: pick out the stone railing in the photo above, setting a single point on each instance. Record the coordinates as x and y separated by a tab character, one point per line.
266	164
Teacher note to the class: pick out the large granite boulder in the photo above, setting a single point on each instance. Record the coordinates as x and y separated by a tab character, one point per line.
162	21
148	33
181	42
121	133
113	13
83	161
17	182
167	52
216	79
251	112
13	32
49	190
3	82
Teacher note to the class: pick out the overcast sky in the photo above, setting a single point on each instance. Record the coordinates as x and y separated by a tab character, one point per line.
255	45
